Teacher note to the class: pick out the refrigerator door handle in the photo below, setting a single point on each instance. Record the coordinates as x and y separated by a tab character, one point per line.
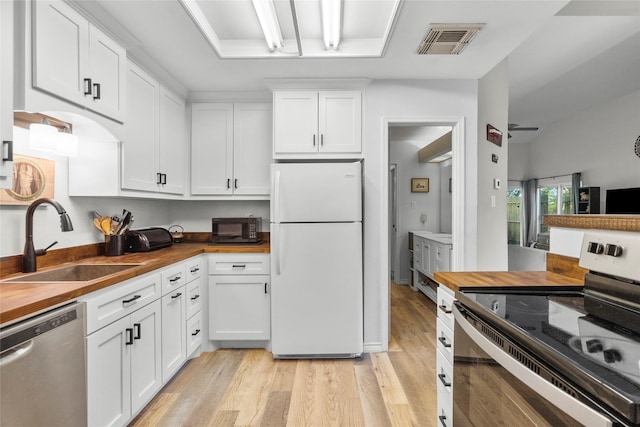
276	245
276	197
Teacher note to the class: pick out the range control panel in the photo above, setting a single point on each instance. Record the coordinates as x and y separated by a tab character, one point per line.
616	253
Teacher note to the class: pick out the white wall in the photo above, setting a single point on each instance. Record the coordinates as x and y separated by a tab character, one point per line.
389	100
597	142
446	198
493	102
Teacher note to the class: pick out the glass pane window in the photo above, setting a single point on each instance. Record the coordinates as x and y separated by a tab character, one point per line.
553	199
514	207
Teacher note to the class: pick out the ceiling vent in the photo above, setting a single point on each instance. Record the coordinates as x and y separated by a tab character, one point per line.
447	39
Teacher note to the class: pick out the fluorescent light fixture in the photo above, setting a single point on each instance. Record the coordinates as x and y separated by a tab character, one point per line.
43	136
331	23
67	143
266	11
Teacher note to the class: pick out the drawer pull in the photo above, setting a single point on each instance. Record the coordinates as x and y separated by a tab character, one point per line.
175	279
178	295
132	299
442	419
242	266
444	342
195	269
446	309
136	329
195	297
196	332
443	379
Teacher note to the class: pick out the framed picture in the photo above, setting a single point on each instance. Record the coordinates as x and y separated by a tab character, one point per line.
494	135
419	185
33	178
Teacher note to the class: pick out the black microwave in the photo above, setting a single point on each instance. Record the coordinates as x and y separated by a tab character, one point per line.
235	230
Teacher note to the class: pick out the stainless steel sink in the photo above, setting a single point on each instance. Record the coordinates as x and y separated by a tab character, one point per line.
73	273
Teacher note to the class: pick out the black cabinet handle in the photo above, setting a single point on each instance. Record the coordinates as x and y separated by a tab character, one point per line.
178	295
442	419
132	299
196	332
243	266
235	183
265	287
163	177
321	139
97	88
129	333
228	183
87	86
195	297
136	329
443	379
195	269
314	140
446	309
175	279
444	342
158	178
9	157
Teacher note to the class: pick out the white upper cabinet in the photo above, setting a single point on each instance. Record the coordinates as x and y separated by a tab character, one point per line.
76	61
6	88
231	149
153	156
317	124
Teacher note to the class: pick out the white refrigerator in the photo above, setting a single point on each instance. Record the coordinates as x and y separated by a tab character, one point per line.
316	260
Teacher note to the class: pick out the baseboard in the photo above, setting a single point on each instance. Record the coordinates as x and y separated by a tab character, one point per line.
373	347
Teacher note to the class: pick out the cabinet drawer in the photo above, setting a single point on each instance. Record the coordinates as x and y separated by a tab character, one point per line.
445	306
237	264
194	333
194	297
444	377
110	304
445	340
445	412
194	268
173	277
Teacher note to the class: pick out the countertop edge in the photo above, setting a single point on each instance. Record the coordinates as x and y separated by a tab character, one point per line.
456	281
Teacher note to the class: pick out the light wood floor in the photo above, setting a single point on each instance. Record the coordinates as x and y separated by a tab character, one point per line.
250	388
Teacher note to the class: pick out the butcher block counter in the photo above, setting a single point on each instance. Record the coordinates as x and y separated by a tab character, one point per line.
484	279
20	299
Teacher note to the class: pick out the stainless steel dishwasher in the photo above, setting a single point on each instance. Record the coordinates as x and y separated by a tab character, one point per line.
42	370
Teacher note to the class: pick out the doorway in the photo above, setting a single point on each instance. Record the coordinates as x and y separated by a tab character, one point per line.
395	246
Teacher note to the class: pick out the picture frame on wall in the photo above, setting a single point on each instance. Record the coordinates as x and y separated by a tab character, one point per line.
494	135
419	185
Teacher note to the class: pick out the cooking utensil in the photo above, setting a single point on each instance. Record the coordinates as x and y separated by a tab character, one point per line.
126	222
96	222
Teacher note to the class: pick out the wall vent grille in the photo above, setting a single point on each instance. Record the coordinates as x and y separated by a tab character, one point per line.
447	39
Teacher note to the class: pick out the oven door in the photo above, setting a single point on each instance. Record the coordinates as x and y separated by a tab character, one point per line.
493	388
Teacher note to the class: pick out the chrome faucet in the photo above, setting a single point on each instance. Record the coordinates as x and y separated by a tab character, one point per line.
30	253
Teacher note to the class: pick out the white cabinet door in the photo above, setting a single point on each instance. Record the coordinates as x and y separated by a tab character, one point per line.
146	363
340	121
139	148
108	70
61	71
108	375
172	142
295	122
426	262
239	307
211	148
252	129
6	88
173	332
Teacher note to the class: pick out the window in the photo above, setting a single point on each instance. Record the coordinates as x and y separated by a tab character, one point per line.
514	209
554	198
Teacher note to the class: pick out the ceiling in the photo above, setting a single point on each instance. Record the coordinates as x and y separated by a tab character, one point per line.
562	56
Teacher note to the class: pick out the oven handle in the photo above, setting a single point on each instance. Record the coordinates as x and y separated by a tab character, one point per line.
574	408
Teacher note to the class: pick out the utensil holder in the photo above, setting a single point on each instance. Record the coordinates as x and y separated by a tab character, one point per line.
114	245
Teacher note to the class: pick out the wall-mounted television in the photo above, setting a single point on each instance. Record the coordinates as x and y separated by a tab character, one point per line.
623	201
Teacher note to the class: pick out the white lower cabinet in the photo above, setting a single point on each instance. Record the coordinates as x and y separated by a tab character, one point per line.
444	356
139	333
174	351
239	297
124	366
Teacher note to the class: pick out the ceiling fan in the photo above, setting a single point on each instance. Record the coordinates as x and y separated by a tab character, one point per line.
517	127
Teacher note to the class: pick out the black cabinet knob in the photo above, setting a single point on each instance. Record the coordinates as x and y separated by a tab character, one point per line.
594	346
612	355
613	250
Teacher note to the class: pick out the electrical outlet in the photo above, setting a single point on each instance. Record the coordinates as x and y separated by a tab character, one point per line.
497	184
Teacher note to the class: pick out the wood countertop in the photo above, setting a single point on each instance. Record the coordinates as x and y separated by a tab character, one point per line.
483	279
20	299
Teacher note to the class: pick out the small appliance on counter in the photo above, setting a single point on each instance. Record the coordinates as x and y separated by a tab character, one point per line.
235	230
177	233
147	239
